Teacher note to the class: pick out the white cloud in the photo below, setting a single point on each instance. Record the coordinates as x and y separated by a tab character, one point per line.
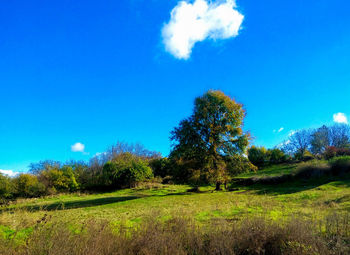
340	118
78	147
279	130
8	172
197	21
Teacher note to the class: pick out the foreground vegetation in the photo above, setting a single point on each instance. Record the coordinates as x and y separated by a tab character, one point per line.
182	235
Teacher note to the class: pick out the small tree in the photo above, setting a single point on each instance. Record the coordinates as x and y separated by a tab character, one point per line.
258	156
210	135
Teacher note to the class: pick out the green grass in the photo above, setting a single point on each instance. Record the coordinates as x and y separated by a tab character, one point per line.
274	170
306	199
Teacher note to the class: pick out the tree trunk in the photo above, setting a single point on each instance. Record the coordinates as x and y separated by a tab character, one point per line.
218	186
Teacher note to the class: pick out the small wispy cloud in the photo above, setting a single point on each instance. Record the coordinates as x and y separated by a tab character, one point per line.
340	118
100	154
97	154
194	22
9	172
78	147
278	130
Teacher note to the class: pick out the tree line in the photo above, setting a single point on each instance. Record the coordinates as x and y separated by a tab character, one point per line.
325	142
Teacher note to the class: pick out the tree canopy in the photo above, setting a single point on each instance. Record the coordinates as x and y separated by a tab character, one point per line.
212	134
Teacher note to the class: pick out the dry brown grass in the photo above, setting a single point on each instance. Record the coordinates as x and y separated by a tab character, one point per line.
181	235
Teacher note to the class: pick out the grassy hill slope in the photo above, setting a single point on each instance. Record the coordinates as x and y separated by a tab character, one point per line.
278	200
311	199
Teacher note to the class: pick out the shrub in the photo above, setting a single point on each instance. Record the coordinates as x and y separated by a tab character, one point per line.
343	152
258	156
160	167
6	188
27	185
126	170
340	165
239	164
152	183
277	156
182	170
332	152
168	180
308	156
303	155
62	179
312	169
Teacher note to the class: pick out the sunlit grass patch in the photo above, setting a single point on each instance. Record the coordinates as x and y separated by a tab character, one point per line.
273	170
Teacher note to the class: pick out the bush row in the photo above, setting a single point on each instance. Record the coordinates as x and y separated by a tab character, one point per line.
120	169
334	167
46	178
332	152
260	156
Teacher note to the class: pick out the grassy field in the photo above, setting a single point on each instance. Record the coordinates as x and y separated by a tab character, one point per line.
312	199
274	170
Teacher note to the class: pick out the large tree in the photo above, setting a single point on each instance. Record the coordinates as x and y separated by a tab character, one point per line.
211	135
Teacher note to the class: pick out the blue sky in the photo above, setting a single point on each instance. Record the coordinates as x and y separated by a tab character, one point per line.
97	72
